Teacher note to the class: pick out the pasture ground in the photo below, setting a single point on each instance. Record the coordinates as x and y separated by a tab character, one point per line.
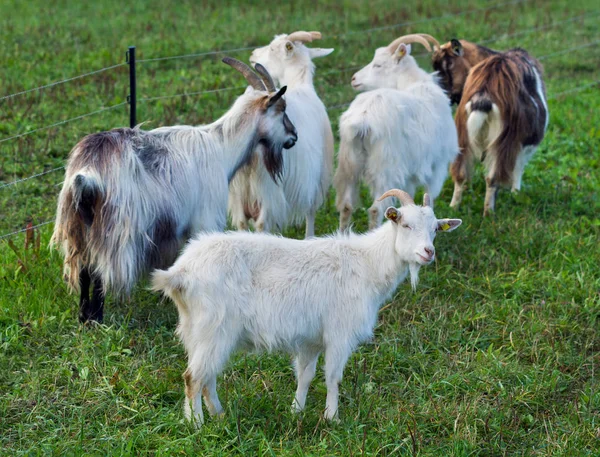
497	351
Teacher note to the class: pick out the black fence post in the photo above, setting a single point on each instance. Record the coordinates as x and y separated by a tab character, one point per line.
131	98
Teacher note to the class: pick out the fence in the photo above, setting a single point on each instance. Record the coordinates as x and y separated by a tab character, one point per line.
132	62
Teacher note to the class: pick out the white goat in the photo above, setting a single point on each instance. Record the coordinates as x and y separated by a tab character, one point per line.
307	167
399	134
130	197
264	292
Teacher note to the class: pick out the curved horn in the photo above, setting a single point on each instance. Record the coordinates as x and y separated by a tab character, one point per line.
245	70
401	195
436	43
407	39
426	200
266	77
304	37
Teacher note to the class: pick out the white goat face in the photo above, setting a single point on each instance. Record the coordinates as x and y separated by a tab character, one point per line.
417	227
282	53
384	70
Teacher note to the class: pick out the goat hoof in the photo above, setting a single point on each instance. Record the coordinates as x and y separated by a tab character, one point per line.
334	418
296	409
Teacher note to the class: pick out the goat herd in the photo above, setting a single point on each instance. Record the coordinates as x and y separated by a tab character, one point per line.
131	198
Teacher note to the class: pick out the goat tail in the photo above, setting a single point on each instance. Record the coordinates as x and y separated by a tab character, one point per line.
79	198
484	122
168	282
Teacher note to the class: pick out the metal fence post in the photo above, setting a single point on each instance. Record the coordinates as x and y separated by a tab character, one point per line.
131	98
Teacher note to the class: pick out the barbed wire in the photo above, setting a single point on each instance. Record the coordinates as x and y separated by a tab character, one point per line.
108	108
23	92
6	235
200	54
212	91
31	177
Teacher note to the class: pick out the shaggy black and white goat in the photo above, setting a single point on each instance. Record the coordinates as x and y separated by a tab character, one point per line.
131	197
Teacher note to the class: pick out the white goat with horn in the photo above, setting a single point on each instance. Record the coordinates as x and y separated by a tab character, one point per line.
398	134
263	292
307	167
130	197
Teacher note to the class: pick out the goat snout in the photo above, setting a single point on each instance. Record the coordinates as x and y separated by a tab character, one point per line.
354	83
427	255
292	140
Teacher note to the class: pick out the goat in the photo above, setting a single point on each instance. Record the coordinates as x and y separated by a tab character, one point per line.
307	167
398	134
130	197
501	120
264	292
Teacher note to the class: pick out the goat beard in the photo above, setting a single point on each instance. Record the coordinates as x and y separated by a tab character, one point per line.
414	268
272	154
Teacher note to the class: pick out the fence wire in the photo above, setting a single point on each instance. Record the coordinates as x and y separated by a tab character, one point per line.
47	86
108	108
570	91
12	183
6	235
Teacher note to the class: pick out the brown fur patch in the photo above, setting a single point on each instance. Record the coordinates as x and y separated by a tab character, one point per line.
191	388
98	149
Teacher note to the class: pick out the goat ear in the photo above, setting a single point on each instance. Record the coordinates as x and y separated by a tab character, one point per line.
447	225
273	99
393	214
457	48
289	47
403	50
319	52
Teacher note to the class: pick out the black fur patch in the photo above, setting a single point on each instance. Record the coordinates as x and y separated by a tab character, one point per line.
87	200
481	104
273	158
165	244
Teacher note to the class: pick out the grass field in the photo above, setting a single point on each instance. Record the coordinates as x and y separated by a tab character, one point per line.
497	351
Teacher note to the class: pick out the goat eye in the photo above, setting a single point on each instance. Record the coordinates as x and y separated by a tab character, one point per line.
376	66
406	226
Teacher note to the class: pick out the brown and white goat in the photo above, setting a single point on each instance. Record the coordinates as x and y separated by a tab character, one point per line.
502	114
501	120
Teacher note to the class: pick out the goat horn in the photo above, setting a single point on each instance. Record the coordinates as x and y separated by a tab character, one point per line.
401	195
407	39
245	70
426	200
266	77
436	43
304	37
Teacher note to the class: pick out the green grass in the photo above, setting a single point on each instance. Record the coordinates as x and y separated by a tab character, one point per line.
496	353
